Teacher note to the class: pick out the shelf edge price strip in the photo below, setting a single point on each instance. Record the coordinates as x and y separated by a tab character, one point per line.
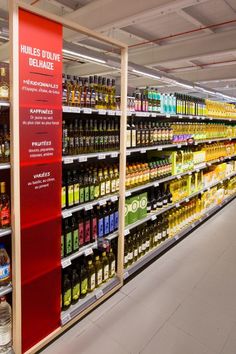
88	251
66	263
65	319
99	294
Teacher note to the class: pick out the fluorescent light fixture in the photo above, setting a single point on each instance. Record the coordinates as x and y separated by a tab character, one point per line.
183	85
146	74
71	53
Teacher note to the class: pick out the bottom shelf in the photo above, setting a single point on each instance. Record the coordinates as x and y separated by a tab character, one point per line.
88	301
169	242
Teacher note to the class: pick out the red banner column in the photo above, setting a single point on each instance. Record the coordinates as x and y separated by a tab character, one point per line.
40	63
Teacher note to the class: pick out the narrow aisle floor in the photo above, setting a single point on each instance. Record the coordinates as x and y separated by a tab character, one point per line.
183	303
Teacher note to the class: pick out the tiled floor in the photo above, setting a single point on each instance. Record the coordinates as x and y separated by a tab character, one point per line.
183	303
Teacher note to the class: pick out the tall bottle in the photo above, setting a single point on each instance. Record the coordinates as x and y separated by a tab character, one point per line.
5	326
75	285
5	215
91	276
105	264
66	290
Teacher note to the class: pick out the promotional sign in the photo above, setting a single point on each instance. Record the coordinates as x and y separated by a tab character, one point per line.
40	81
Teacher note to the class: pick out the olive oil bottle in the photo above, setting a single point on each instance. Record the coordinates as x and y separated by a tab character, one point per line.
83	281
91	276
66	291
98	271
105	264
75	286
112	263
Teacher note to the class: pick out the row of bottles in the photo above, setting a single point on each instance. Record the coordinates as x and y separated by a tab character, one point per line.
139	173
159	197
93	92
90	135
189	105
85	185
85	275
5	214
4	143
217	109
86	226
218	150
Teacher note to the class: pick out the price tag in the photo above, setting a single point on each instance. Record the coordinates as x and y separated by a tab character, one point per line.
101	157
153	217
102	112
99	294
229	157
126	232
179	146
159	148
66	214
88	251
208	164
190	173
180	116
66	109
209	142
177	205
128	194
68	160
88	207
196	143
197	170
207	214
87	110
118	113
139	114
66	263
143	151
187	200
176	237
156	184
114	199
75	109
167	115
230	139
193	225
146	114
114	154
153	115
82	159
111	113
128	153
126	275
190	117
102	202
211	118
65	319
178	177
129	113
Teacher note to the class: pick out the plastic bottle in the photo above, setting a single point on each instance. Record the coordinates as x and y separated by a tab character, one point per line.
5	326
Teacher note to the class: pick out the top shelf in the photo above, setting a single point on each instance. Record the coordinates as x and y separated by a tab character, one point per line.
77	110
4	104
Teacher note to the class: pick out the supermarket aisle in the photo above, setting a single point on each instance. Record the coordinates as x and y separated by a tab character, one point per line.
184	303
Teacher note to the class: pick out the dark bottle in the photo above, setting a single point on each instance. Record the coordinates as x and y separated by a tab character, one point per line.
62	241
105	265
63	192
164	197
83	281
169	195
81	228
75	286
116	217
111	213
86	187
91	185
65	149
71	149
66	290
76	138
81	187
112	263
91	276
70	190
135	247
67	237
98	271
64	90
75	233
106	221
94	226
159	201
87	229
126	254
100	221
76	188
96	184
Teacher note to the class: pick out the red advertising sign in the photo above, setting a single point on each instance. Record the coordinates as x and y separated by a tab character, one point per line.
40	63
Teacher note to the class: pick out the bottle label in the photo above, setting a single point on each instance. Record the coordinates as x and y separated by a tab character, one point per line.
139	249
135	252
144	246
75	240
112	221
76	292
68	242
100	227
92	282
71	195
131	255
164	234
113	186
147	243
62	246
106	272
116	220
63	197
99	277
81	233
103	188
159	235
126	259
113	268
159	204
86	194
81	195
106	225
4	91
94	229
76	193
156	238
84	286
67	297
87	231
5	272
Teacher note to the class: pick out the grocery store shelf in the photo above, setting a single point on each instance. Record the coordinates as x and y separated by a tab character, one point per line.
85	250
4	290
5	232
66	213
157	182
153	215
176	116
171	241
5	166
89	300
144	149
68	109
4	104
84	157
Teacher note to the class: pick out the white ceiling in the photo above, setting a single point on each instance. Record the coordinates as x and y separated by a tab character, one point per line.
176	42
